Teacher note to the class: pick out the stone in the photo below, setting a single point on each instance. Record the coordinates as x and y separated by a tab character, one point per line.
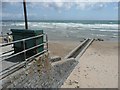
99	39
70	82
78	86
87	67
55	58
76	81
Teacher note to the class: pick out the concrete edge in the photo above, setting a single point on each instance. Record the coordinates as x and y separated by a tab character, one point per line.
85	48
73	51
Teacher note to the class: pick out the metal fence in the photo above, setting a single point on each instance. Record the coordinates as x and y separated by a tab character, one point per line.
12	68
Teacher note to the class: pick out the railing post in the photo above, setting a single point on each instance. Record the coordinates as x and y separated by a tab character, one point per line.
47	42
24	49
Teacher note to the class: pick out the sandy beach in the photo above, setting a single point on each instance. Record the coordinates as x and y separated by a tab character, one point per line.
97	68
61	48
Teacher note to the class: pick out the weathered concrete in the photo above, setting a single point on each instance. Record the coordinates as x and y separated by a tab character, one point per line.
39	74
79	50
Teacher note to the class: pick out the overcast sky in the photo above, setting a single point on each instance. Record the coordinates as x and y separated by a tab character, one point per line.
61	11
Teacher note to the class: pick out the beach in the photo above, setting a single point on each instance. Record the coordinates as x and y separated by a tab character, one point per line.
61	48
59	44
97	68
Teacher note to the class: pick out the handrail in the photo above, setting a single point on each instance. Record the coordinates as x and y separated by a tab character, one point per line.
36	55
24	51
27	60
12	69
5	44
22	40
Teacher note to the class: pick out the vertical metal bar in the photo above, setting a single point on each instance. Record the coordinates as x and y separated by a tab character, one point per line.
47	42
2	37
24	49
25	14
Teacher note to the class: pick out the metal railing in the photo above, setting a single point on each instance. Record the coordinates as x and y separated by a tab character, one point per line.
26	59
24	40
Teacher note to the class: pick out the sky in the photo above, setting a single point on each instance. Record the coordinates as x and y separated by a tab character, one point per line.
61	10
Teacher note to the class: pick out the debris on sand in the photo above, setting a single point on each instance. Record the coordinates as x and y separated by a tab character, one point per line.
99	39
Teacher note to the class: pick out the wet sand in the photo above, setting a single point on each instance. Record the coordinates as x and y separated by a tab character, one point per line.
97	68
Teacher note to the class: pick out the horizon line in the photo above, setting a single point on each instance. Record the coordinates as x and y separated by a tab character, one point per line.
61	20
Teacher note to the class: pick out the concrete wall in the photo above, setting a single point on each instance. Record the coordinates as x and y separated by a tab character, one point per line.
41	74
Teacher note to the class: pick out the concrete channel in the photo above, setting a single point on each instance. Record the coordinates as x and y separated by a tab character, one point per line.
78	51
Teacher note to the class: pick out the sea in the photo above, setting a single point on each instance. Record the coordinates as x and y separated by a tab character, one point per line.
70	30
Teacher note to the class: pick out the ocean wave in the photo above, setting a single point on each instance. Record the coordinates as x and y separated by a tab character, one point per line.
17	24
98	35
116	34
104	27
80	25
109	30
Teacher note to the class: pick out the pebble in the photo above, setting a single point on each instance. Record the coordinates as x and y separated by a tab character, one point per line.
55	59
26	73
75	74
87	67
70	82
78	86
99	39
76	81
